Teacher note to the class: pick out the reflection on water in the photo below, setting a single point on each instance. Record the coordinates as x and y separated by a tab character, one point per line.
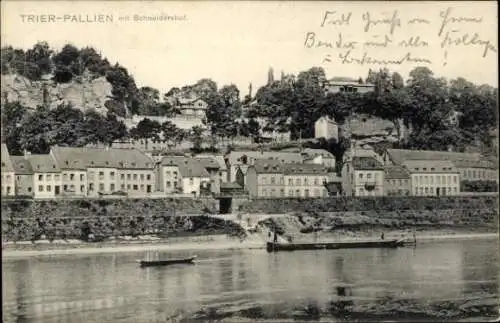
446	280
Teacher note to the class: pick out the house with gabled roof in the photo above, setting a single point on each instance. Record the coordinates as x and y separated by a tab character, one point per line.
397	181
7	170
242	159
47	179
178	174
272	179
106	171
23	175
212	167
367	176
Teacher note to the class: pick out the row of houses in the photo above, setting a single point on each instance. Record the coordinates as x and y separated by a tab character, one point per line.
92	172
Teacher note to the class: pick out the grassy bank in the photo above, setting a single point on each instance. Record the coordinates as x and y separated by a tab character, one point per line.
98	220
359	204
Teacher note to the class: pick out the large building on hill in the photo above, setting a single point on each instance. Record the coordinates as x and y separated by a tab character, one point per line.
333	86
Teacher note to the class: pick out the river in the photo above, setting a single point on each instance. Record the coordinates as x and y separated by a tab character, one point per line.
445	280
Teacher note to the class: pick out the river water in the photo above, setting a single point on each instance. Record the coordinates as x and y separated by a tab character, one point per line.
447	280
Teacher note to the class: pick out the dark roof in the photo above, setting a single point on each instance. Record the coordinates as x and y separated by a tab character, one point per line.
6	162
398	156
430	166
366	163
81	158
396	172
43	164
208	162
21	165
188	167
263	166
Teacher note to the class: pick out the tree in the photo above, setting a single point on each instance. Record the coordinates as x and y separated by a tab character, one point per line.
397	81
171	133
146	129
196	136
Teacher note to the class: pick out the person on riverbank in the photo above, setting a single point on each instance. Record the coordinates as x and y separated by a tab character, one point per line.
275	237
382	236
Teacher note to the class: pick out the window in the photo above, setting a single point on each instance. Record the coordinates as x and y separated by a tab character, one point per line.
48	188
400	182
40	188
135	177
49	177
449	190
455	179
82	188
431	178
317	192
264	192
82	177
264	180
360	175
148	177
273	192
455	190
128	177
167	172
297	181
142	187
112	187
135	187
273	180
306	192
315	181
282	192
101	175
29	189
71	177
438	180
191	181
91	175
57	177
421	191
65	177
290	182
368	176
416	179
168	184
474	174
101	187
297	193
282	181
128	186
290	193
142	177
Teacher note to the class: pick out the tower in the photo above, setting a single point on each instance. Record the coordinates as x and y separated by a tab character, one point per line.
270	76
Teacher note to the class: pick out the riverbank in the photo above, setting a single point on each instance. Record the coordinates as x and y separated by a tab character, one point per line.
45	248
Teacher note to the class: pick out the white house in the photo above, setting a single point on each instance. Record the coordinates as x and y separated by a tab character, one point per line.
326	127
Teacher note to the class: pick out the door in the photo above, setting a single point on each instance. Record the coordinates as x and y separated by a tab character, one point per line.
57	190
437	191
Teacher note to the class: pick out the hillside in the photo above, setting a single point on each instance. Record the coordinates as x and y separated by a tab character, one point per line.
83	92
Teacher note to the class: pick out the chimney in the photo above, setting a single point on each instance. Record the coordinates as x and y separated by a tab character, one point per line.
27	154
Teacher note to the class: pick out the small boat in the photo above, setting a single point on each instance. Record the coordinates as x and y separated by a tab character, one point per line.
166	262
273	246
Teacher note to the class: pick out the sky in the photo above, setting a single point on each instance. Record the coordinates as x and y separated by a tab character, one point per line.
236	42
